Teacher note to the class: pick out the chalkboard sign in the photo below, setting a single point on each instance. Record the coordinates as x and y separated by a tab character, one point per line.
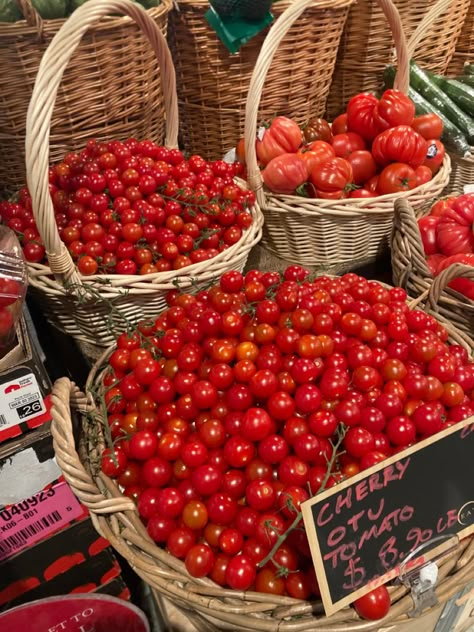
361	530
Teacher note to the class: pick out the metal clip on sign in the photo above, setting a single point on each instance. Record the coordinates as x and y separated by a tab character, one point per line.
421	577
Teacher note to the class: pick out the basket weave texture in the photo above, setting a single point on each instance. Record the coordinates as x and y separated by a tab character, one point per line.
116	518
81	307
464	52
111	90
411	272
333	236
365	51
462	174
213	84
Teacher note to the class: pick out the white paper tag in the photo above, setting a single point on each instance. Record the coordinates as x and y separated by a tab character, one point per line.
20	400
261	132
231	156
469	188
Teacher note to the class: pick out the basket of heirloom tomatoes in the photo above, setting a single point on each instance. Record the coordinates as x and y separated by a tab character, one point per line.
120	223
204	431
433	256
327	191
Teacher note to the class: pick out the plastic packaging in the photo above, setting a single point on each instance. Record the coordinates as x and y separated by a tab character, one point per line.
13	285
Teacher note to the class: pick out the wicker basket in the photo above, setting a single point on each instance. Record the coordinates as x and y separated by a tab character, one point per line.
411	271
213	84
464	52
333	236
462	174
116	518
79	308
112	90
364	51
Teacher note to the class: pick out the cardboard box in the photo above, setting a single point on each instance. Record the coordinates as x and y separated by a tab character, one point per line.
24	387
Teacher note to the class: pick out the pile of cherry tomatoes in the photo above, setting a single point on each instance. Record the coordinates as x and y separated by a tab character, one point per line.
376	147
136	208
224	413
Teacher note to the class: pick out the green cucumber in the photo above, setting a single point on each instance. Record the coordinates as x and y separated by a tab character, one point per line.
469	69
460	93
421	82
452	136
467	79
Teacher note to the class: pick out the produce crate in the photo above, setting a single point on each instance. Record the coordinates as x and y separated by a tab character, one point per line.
364	50
106	93
328	235
81	306
213	84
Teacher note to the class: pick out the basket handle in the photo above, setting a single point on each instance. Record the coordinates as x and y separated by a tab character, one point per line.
40	110
444	278
267	52
405	222
438	9
64	394
31	15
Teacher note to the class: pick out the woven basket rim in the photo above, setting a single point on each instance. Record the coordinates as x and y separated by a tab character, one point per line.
353	207
50	27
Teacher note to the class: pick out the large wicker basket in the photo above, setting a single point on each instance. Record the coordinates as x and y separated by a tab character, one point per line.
365	51
112	90
116	518
464	52
334	236
213	84
411	272
81	307
462	174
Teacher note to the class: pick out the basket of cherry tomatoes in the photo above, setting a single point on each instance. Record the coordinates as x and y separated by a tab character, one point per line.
110	229
433	256
205	430
327	191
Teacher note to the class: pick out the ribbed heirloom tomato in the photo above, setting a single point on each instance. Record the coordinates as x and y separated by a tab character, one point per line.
236	404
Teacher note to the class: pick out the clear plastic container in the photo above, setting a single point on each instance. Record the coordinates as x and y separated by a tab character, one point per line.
13	285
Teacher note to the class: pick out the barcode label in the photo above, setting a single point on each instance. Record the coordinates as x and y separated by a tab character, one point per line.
3	420
33	519
21	537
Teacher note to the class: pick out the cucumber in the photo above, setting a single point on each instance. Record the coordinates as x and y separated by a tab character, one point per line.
467	79
460	93
452	136
469	69
421	82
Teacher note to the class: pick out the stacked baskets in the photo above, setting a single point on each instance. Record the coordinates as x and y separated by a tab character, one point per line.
65	298
121	98
213	84
323	234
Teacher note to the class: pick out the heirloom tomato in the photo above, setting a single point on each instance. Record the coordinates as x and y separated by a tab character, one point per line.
316	153
430	126
427	226
345	144
331	179
434	155
394	108
339	125
282	137
361	116
440	206
456	226
396	177
285	173
400	144
363	166
317	129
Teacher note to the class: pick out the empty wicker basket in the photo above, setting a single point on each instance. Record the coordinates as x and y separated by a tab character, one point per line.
92	309
213	84
464	52
113	88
